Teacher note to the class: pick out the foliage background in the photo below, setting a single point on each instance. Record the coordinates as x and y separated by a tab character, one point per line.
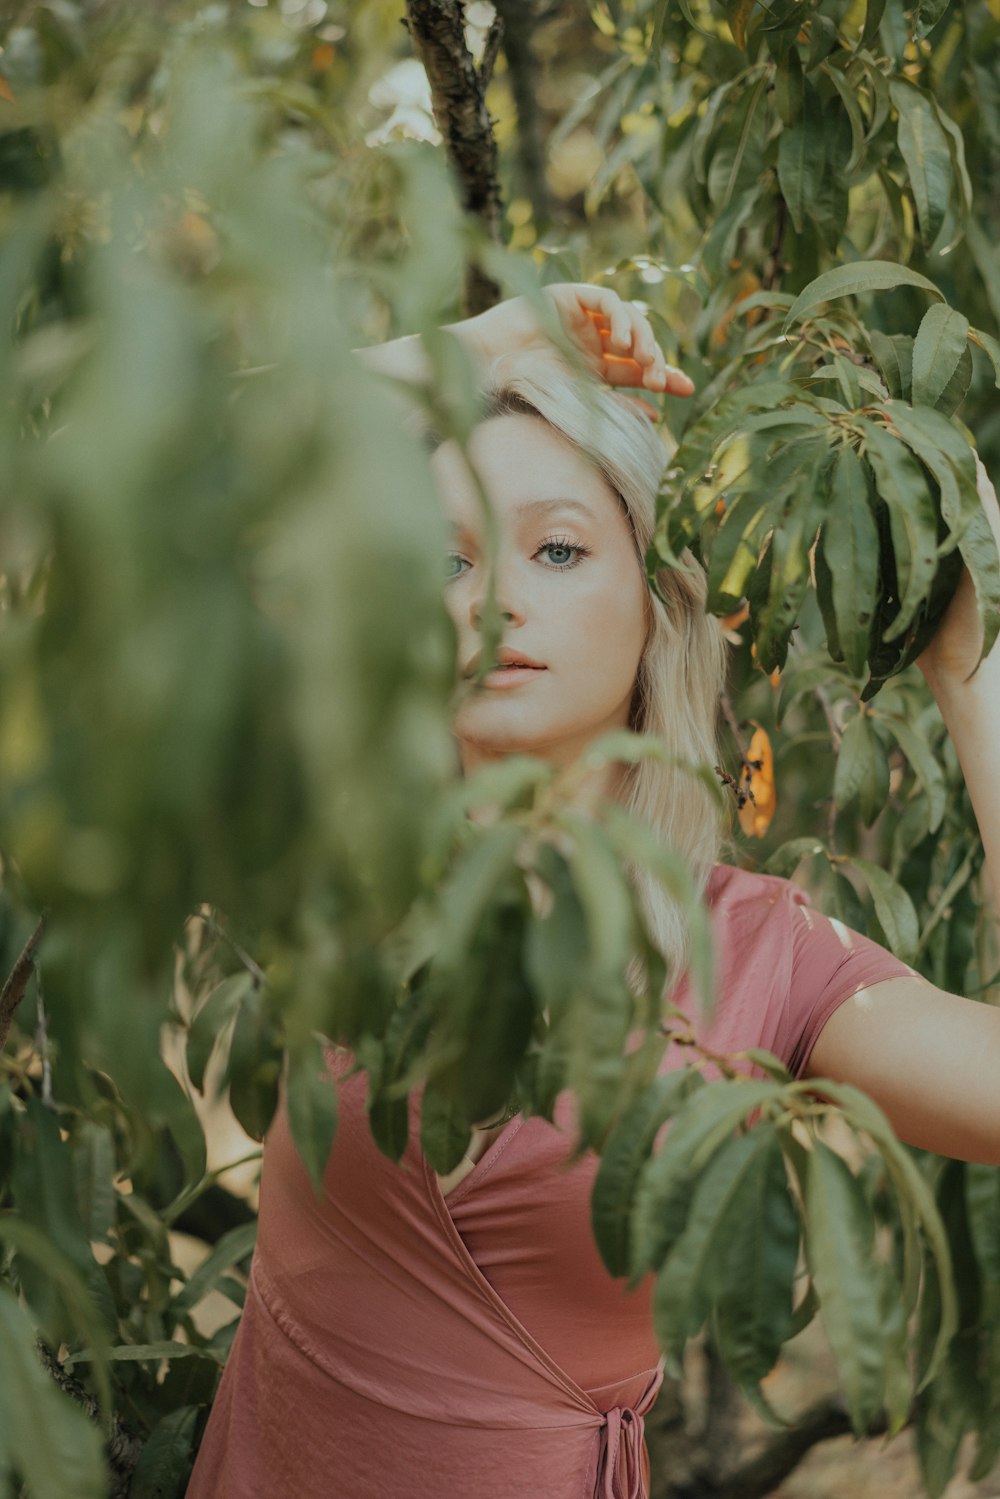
225	766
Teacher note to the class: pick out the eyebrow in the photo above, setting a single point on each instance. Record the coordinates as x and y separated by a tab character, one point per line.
544	507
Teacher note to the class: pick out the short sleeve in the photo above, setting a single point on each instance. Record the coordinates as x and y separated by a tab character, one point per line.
830	963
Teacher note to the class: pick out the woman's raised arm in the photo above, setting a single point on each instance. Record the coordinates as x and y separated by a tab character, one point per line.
614	337
931	1059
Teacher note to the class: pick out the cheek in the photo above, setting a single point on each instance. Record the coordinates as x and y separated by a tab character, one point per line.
613	617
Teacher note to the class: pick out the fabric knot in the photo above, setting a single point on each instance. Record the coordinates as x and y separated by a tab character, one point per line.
621	1466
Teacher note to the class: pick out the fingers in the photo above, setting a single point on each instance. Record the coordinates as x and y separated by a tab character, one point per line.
632	354
619	336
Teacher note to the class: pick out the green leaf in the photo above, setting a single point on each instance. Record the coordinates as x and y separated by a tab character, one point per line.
554	956
862	769
42	1180
850	546
849	99
786	859
915	1202
912	518
802	160
739	149
865	379
43	1433
979	553
745	1176
787	586
840	1249
625	1152
94	1170
850	280
635	840
234	1247
893	907
755	1295
311	1099
893	353
167	1457
472	885
789	87
943	450
253	1070
942	340
141	1353
923	764
603	890
926	152
957	144
735	549
927	14
661	1202
212	1016
991	347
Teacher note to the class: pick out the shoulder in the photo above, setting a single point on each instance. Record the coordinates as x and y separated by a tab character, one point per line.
731	891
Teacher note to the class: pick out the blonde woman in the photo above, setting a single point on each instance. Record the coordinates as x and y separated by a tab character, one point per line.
418	1337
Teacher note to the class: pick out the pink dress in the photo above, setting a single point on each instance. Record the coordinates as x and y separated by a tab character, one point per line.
397	1344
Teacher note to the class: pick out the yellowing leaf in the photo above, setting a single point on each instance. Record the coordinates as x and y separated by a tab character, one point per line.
6	92
756	813
738	23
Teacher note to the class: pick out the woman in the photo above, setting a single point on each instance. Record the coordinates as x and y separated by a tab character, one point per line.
415	1336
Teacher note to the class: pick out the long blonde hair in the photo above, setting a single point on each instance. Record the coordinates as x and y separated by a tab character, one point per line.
682	669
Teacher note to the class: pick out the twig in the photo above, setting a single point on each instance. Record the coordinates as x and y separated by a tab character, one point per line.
730	717
775	266
491	51
14	989
958	880
836	733
212	922
42	1047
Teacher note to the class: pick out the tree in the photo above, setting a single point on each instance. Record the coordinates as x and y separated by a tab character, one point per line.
228	805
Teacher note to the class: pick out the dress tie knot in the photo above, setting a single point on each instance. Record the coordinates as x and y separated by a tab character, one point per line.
620	1469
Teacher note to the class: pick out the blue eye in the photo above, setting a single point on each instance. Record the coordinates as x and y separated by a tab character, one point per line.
557	543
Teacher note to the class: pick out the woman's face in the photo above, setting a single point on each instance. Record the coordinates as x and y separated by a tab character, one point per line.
569	587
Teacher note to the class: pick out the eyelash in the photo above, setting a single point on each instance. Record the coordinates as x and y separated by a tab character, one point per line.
553	541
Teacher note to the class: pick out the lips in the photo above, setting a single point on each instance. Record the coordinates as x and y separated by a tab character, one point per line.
506	658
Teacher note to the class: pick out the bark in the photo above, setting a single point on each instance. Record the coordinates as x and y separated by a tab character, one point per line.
458	96
121	1448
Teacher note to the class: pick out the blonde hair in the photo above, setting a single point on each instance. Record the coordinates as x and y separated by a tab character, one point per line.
682	669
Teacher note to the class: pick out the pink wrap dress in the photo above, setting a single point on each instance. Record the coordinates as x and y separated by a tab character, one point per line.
399	1344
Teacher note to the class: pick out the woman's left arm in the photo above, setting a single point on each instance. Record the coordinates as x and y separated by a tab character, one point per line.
930	1059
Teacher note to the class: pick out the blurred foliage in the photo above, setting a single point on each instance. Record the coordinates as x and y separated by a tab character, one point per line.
226	776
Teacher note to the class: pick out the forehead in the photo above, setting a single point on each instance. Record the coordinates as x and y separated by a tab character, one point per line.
529	472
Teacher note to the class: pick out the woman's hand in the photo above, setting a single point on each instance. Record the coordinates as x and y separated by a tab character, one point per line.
951	656
613	336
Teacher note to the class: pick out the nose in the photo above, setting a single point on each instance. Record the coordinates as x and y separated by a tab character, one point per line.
477	617
507	583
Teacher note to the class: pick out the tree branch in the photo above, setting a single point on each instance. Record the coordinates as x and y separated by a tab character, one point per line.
121	1449
700	1477
826	1419
458	97
13	990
